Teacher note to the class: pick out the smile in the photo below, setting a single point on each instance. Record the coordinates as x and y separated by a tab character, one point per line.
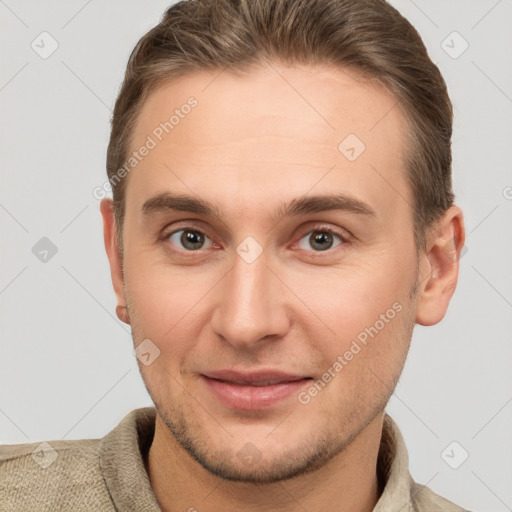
252	391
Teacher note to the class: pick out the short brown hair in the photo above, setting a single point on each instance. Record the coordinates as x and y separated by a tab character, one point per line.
370	36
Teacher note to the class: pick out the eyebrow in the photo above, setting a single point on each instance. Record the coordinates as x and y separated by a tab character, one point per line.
299	206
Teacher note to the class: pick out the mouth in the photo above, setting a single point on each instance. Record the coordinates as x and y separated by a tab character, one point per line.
253	390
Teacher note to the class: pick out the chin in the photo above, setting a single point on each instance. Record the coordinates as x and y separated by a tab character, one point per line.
250	465
246	455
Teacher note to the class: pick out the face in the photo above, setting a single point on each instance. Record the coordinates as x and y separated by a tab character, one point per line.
278	287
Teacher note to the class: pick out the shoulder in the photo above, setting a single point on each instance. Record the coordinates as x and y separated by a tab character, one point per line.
53	475
401	491
425	500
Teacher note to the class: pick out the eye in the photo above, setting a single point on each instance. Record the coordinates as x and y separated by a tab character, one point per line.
320	239
190	239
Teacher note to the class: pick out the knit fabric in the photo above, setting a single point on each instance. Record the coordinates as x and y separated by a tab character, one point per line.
109	474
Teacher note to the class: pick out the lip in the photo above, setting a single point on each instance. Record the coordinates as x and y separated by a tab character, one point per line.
256	390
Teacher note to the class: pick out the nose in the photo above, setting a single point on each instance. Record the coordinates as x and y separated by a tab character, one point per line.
251	305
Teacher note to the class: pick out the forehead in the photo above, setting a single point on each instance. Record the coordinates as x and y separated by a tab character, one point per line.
274	131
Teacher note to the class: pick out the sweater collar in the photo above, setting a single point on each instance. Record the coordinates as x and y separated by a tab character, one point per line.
123	451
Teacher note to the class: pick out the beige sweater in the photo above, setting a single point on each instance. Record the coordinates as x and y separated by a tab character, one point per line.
109	474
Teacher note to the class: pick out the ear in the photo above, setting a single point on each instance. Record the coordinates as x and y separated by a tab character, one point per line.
440	267
114	258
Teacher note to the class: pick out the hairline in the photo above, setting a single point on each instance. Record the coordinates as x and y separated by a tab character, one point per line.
357	73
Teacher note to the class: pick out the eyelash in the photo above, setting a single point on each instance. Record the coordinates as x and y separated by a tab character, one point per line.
342	237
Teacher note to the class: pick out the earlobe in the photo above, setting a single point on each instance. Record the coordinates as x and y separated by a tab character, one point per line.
114	258
122	314
440	266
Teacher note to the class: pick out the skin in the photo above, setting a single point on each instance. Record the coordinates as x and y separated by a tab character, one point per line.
252	143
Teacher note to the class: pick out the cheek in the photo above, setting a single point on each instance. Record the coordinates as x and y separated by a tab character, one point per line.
169	304
350	299
360	314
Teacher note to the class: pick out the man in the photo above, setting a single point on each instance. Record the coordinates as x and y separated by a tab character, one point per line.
282	218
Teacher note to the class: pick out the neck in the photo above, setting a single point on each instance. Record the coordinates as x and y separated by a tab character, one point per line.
347	483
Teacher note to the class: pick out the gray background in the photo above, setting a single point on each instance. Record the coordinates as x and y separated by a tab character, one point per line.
67	368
